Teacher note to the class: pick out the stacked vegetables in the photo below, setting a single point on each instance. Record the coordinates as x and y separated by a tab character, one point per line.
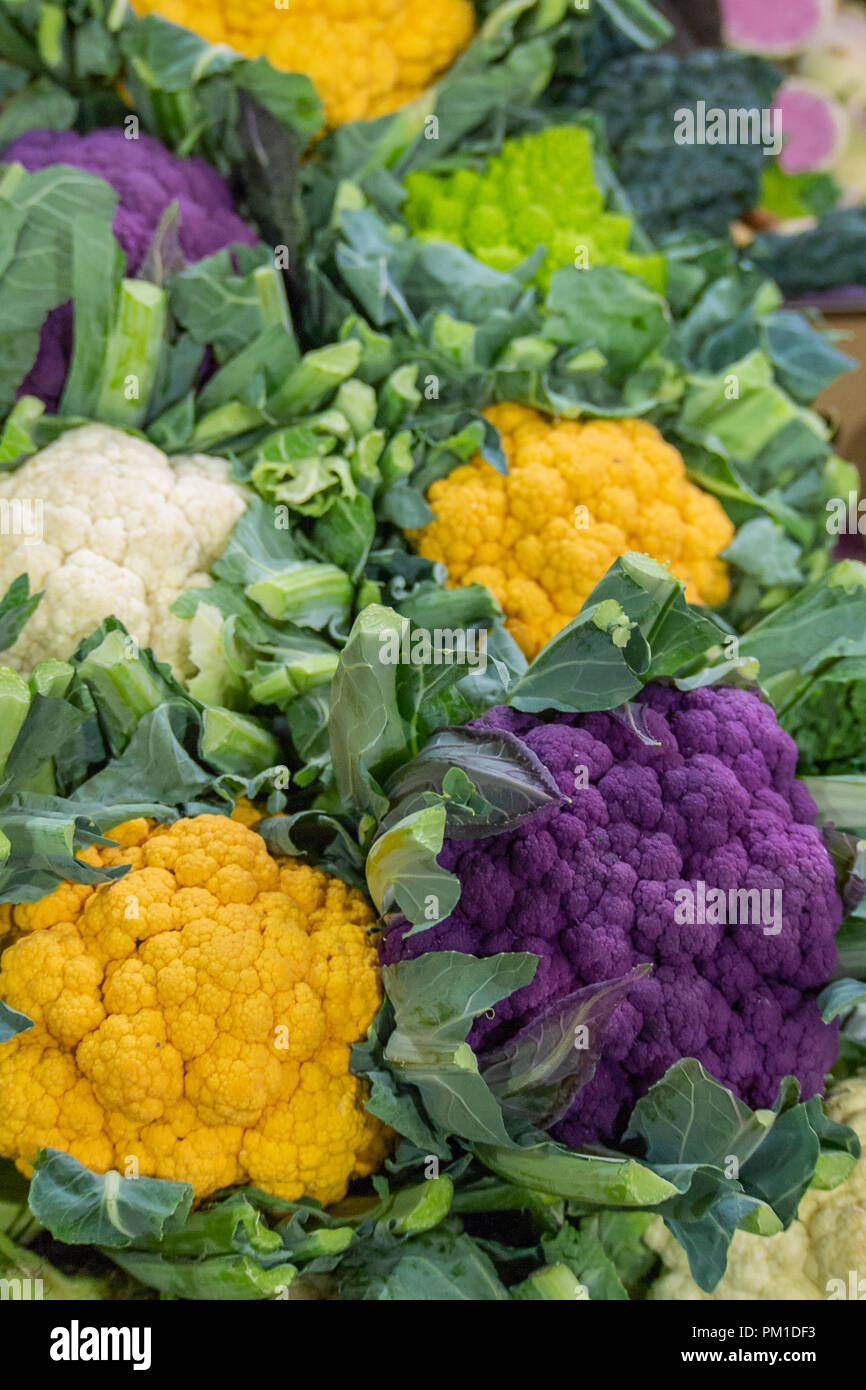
415	596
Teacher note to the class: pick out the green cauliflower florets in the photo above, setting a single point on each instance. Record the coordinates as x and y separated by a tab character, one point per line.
540	188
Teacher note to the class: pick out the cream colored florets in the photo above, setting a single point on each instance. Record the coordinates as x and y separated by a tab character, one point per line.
114	527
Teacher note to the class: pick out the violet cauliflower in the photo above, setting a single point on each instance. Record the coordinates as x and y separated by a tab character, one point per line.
593	888
148	178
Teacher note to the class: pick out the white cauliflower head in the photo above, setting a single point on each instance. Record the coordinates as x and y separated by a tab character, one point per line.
112	527
822	1254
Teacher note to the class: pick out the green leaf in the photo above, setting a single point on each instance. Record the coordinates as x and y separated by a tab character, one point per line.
306	593
587	666
638	20
435	1000
227	1278
555	1282
16	607
219	305
761	549
12	1023
14	711
346	532
580	669
84	1208
367	733
606	309
440	1265
40	105
581	1252
95	299
536	1075
155	764
290	96
402	868
690	1118
839	997
37	212
508	778
171	58
419	1208
580	1177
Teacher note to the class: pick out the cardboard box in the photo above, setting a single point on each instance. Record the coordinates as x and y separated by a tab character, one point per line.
844	403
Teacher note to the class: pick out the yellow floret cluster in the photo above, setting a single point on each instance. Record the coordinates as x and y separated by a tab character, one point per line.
366	57
194	1018
577	495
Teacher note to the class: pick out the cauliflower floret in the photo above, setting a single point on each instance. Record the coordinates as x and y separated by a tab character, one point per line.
577	495
124	530
821	1255
365	59
195	1016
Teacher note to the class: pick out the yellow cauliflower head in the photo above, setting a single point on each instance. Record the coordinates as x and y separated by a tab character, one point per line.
821	1255
577	495
365	59
193	1020
110	525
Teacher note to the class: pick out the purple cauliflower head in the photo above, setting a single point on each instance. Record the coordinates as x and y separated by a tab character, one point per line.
610	878
147	178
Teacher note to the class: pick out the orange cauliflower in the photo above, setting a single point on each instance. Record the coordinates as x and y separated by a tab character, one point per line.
193	1020
577	495
365	59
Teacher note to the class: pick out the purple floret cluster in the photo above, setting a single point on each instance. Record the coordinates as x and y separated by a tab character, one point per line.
147	178
590	886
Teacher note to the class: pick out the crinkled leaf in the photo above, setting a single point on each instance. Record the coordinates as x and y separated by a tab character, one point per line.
441	1265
